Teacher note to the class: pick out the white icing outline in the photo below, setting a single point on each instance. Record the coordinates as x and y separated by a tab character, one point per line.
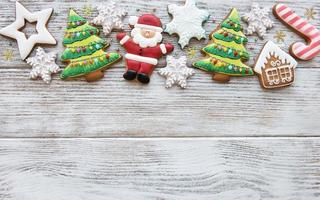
258	20
138	58
155	28
42	37
163	48
271	48
43	65
124	40
110	17
187	22
176	72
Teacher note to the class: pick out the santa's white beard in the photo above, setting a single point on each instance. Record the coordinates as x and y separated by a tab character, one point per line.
145	42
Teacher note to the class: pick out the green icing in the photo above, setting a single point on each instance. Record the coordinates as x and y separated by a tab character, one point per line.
232	18
210	49
76	71
226	24
227	50
79	36
75	20
74	17
68	54
240	40
85	54
209	66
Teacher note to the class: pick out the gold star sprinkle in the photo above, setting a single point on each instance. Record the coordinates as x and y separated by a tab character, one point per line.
310	13
8	55
87	10
280	36
192	51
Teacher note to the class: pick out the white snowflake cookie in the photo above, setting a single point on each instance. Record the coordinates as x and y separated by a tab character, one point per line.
43	65
258	20
110	17
187	22
176	72
27	44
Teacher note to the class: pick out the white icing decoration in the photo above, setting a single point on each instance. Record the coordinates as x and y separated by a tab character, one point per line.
144	59
43	65
27	44
269	49
176	71
258	20
187	22
110	17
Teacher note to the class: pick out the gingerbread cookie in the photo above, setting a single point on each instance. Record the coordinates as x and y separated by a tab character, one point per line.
43	65
85	53
187	22
143	48
226	51
110	17
258	20
275	67
176	72
306	30
27	44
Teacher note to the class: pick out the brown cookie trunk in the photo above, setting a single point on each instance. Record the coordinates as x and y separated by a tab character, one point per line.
223	78
94	76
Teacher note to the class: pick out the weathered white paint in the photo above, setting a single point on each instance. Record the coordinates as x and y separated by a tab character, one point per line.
184	169
159	168
113	107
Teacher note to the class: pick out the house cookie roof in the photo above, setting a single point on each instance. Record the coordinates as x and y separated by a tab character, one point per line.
270	49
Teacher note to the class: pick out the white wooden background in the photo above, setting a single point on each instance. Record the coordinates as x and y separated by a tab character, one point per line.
115	139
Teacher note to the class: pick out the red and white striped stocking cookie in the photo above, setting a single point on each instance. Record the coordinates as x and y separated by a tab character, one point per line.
303	28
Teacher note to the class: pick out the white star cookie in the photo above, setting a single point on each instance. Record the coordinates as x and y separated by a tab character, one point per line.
176	71
258	20
27	44
43	65
187	22
110	17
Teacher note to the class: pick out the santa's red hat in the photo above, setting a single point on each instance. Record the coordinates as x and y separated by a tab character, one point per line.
148	21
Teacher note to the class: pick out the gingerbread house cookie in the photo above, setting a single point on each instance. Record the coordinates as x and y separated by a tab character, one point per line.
275	67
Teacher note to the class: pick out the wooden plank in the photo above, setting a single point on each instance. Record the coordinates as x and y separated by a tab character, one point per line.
218	10
185	169
113	107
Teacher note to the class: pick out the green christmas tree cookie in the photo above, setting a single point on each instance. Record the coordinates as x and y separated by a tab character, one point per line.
226	51
84	51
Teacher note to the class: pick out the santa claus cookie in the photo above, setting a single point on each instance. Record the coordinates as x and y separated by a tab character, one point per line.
143	48
275	67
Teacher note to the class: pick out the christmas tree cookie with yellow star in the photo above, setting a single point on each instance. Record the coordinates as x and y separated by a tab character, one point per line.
226	51
84	51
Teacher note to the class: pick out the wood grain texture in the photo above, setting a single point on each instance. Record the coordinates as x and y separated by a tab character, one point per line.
224	169
113	107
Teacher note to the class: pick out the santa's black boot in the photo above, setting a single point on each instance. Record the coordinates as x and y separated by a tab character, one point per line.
130	75
143	78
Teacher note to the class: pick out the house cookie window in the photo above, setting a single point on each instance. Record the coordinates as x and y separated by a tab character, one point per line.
273	76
